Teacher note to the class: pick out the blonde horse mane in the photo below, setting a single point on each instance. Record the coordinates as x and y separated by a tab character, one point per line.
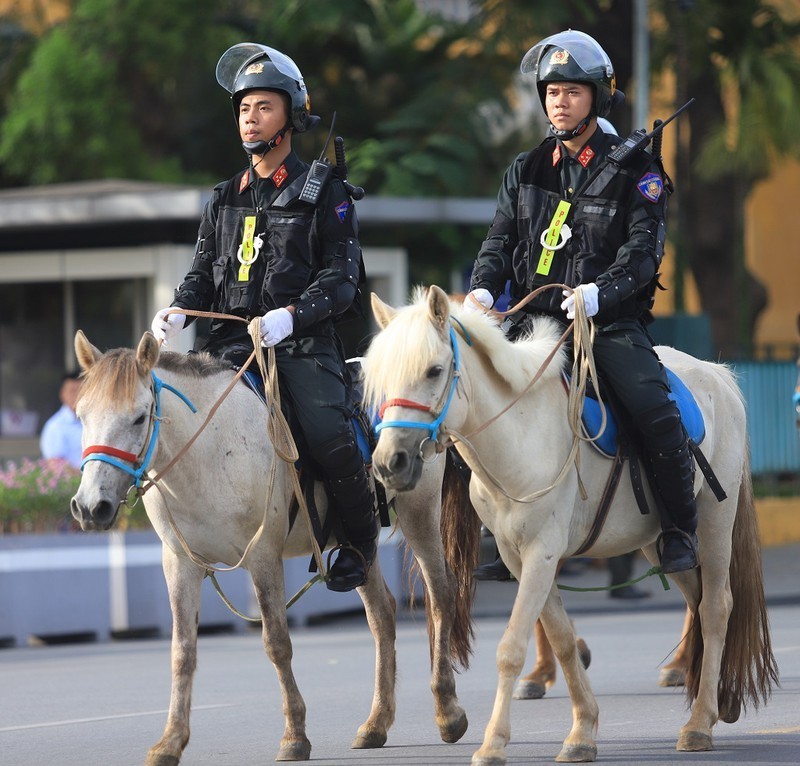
402	352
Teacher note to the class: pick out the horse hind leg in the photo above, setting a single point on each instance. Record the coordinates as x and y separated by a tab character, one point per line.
184	581
380	608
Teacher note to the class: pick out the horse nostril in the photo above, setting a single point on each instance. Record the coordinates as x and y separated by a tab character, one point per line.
398	462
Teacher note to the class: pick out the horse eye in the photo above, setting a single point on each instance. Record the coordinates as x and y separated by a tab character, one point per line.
139	420
434	372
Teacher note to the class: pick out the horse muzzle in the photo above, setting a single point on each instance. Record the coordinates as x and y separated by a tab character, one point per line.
98	517
399	471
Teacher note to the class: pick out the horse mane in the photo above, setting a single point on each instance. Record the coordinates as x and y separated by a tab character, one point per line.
111	381
402	352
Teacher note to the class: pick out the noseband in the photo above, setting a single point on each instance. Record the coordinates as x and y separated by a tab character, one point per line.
438	414
136	465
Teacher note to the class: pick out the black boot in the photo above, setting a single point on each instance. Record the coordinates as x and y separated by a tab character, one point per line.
354	501
674	474
495	570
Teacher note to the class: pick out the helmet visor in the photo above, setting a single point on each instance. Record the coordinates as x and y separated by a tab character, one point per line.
585	51
239	56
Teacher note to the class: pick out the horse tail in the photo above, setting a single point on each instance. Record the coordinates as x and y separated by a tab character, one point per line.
748	670
460	528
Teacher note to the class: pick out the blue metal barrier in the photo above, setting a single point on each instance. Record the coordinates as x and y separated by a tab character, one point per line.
771	421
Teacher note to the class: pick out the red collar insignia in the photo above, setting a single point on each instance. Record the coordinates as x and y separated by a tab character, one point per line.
245	182
585	157
280	175
556	154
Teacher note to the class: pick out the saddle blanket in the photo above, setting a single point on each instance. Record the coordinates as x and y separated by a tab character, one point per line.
690	415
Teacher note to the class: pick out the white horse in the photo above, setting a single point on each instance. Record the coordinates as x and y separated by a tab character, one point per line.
135	410
446	372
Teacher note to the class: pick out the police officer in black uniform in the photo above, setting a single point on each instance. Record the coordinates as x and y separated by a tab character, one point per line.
566	214
263	251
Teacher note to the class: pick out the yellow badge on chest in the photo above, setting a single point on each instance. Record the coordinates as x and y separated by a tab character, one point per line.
249	249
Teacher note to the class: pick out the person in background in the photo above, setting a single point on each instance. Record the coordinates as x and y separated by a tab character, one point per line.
61	435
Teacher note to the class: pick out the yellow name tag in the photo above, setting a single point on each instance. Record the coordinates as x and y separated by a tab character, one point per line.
551	238
247	257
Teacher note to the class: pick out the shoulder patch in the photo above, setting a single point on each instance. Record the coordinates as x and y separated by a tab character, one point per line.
341	210
650	186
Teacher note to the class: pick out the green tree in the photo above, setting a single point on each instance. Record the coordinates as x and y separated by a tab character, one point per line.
741	61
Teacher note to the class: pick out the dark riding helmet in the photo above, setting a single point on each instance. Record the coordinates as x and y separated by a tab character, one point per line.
252	66
573	56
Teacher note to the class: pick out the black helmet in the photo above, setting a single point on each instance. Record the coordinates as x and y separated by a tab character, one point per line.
573	56
250	66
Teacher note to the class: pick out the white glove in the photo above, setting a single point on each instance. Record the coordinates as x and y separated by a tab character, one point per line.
482	296
275	326
590	300
165	325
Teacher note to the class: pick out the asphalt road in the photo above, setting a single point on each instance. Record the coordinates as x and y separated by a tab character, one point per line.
106	704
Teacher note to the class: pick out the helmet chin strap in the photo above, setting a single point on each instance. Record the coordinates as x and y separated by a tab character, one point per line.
575	132
262	147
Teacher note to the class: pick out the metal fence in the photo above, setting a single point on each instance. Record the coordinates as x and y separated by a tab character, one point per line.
774	439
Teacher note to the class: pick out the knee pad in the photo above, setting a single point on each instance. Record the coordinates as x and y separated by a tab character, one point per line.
338	457
662	428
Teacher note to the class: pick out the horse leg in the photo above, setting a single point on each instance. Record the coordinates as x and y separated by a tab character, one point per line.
531	595
421	529
580	745
674	672
184	580
380	609
543	676
267	574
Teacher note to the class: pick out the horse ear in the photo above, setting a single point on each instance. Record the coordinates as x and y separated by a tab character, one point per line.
439	307
147	354
85	352
383	312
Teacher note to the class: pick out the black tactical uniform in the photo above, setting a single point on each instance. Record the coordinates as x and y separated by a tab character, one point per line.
616	217
307	256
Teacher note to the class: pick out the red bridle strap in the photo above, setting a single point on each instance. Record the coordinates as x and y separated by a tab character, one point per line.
402	403
102	449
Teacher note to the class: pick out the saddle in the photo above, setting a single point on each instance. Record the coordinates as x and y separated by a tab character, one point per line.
616	442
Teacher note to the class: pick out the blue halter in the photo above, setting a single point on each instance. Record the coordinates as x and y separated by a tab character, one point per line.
112	456
433	427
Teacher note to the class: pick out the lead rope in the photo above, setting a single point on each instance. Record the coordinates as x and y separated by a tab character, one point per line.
279	432
583	366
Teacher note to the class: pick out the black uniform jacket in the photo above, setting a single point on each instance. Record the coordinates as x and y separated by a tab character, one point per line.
309	255
616	218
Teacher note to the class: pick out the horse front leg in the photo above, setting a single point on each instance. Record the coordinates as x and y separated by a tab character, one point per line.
674	672
267	574
380	608
543	676
421	530
580	745
184	580
538	572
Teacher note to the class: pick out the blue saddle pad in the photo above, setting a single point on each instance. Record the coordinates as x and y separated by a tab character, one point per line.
690	415
254	382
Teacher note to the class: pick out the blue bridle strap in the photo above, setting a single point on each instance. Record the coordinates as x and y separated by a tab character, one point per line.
433	427
137	473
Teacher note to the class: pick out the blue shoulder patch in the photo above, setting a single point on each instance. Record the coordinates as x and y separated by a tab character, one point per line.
650	186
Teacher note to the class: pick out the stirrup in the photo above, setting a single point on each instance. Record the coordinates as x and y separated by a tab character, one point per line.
688	538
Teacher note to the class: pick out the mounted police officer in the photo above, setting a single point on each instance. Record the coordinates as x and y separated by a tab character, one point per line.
566	214
264	251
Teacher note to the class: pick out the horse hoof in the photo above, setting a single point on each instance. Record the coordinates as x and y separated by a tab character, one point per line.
731	713
489	760
368	739
529	690
694	741
672	677
162	760
456	729
585	653
299	750
577	754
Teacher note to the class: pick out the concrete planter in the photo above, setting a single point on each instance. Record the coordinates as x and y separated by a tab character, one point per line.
99	586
